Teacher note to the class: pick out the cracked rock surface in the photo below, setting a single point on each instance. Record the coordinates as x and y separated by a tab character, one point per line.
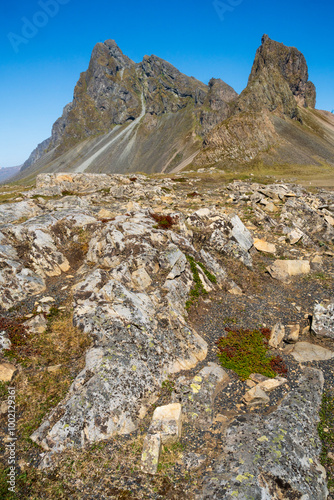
154	300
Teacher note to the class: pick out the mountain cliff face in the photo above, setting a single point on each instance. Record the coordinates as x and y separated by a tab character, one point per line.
278	61
275	113
144	116
149	117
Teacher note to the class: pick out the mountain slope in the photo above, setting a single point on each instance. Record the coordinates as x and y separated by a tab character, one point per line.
128	117
273	120
149	117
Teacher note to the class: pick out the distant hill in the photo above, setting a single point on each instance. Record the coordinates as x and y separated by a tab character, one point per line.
8	172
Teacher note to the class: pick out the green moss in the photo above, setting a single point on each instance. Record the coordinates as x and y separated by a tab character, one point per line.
210	276
168	385
326	433
198	289
246	352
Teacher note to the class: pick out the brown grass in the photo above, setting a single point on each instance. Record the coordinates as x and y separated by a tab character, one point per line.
164	221
39	389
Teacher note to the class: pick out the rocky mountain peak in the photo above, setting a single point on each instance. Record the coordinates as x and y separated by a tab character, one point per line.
274	58
150	117
219	92
167	89
116	52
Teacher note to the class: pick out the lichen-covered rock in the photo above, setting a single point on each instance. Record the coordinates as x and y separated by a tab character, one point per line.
304	352
10	212
269	456
323	320
132	303
167	423
151	453
199	395
225	234
17	280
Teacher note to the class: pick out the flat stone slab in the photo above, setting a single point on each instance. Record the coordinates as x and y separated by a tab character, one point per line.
7	372
304	351
284	269
264	246
166	422
272	383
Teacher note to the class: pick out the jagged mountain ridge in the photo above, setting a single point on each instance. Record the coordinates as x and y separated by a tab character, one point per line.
149	117
121	102
274	114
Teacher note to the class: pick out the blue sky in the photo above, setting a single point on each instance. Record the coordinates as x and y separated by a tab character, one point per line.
40	65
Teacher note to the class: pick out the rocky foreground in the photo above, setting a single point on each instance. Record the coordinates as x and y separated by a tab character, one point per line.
153	270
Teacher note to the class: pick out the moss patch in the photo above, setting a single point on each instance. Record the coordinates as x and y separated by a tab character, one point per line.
246	352
326	433
198	289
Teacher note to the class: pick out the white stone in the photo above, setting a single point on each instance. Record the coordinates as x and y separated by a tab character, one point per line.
292	333
256	396
277	335
3	407
329	219
317	263
241	234
45	300
141	278
264	246
7	372
37	324
5	343
304	351
203	212
295	235
166	421
105	214
284	269
272	383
